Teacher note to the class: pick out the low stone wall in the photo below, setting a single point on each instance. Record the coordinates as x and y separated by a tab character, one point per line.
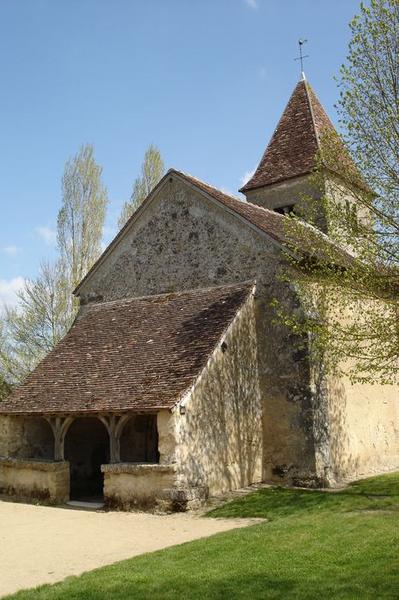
29	480
129	485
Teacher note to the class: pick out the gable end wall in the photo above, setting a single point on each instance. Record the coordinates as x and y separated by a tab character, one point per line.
182	240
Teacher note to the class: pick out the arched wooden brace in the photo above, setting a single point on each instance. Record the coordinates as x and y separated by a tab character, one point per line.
60	426
114	425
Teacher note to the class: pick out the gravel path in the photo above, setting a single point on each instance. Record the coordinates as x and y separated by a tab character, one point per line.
40	544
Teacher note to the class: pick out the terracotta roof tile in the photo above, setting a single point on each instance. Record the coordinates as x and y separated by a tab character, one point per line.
133	354
293	147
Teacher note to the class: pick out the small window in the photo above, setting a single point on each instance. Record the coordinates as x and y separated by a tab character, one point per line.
285	210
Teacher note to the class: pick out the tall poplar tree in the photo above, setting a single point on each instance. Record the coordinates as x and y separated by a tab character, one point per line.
46	307
152	170
81	218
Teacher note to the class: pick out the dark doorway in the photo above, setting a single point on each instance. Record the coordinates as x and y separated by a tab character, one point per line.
86	449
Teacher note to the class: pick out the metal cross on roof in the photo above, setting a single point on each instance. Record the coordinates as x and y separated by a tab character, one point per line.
301	57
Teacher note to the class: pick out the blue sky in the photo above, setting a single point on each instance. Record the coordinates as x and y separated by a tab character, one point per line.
205	80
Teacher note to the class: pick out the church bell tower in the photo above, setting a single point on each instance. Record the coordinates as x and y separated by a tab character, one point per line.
282	177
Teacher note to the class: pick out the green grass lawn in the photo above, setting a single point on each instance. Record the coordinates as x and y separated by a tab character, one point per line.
315	545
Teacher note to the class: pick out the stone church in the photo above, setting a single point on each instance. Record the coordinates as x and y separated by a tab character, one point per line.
175	381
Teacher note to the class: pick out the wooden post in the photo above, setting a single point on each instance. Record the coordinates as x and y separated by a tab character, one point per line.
60	426
114	425
58	446
114	446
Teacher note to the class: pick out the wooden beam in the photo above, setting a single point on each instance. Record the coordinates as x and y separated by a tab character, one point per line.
60	426
114	425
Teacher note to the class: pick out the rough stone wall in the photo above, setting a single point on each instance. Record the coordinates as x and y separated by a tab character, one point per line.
5	436
11	435
293	191
167	437
26	437
183	241
30	480
340	195
219	438
289	401
129	486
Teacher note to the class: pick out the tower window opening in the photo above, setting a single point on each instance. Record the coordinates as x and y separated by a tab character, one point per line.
285	210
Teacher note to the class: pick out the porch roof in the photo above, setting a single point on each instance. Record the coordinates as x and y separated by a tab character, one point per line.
138	354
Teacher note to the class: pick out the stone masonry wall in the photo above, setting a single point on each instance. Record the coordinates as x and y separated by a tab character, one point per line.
183	241
128	485
219	438
26	437
293	191
35	480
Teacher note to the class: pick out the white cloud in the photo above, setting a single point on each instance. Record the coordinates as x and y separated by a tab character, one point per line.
252	4
47	234
246	177
8	289
12	250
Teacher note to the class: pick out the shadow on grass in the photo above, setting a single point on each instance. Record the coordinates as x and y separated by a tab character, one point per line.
377	493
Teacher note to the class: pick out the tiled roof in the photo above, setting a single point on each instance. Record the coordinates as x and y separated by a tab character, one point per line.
293	147
135	354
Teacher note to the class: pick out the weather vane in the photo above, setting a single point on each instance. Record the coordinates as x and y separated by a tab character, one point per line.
301	57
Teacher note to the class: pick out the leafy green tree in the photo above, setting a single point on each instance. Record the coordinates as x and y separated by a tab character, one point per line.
5	388
46	307
81	217
349	284
43	314
152	170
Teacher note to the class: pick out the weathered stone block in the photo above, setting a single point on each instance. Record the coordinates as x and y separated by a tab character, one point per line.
128	485
47	482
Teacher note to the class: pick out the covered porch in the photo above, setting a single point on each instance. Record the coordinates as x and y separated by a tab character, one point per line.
103	413
110	458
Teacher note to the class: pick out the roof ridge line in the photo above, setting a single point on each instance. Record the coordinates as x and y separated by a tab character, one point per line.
190	180
245	283
295	141
312	113
243	201
272	136
207	184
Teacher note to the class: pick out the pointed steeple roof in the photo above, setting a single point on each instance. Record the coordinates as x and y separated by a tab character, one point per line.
295	142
